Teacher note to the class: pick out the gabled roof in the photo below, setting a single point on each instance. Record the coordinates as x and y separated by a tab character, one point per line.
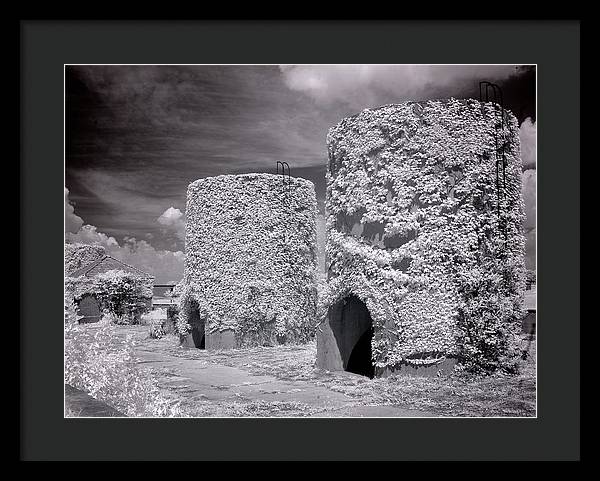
105	264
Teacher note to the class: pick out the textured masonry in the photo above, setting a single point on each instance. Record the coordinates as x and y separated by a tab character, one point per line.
413	224
250	261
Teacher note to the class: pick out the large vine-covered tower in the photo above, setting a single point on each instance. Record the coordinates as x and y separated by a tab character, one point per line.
425	246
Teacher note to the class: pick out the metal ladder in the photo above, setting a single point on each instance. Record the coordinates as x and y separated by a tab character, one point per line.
287	183
500	155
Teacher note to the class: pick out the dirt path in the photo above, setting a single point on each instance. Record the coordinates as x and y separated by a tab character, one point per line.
213	389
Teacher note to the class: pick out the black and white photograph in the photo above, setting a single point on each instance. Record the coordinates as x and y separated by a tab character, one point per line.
300	241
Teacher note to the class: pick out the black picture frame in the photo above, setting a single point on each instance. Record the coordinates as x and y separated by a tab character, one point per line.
46	46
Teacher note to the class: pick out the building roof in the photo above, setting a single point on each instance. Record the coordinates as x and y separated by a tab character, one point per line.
105	264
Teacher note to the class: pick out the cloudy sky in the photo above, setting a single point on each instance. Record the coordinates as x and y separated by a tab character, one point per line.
136	136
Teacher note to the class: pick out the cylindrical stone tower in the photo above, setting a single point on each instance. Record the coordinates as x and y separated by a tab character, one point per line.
425	248
250	262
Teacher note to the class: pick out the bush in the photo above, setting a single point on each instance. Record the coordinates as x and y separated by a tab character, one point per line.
123	295
531	277
157	330
99	365
71	314
184	309
111	318
488	326
172	313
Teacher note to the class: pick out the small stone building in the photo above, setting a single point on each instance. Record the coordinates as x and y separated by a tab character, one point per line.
424	209
250	261
87	303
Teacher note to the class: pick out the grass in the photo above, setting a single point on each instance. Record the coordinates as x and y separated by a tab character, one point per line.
458	394
72	413
246	408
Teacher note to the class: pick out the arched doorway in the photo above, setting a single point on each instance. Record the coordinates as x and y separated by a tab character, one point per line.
198	328
352	328
89	309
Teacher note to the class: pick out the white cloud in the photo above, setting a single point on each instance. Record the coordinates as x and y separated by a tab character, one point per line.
170	216
360	85
72	221
527	134
173	220
88	234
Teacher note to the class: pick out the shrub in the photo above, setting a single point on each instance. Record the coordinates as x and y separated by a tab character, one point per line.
121	296
172	312
186	305
488	324
71	314
112	318
157	330
530	277
99	365
172	319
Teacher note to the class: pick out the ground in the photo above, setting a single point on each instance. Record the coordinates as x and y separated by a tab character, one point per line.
81	404
282	381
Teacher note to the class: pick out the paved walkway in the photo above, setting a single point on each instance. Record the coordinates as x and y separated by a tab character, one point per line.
202	381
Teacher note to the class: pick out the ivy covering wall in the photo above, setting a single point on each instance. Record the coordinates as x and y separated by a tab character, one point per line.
251	257
413	230
122	295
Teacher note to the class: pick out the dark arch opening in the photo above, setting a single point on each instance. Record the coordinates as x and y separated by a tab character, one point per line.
352	327
198	328
360	361
89	309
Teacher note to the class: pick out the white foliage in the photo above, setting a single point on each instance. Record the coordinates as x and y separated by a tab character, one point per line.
251	256
81	255
425	172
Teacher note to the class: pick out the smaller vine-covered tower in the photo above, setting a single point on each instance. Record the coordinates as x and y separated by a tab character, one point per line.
250	262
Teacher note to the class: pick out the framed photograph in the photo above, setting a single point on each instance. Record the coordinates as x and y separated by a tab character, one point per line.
325	248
